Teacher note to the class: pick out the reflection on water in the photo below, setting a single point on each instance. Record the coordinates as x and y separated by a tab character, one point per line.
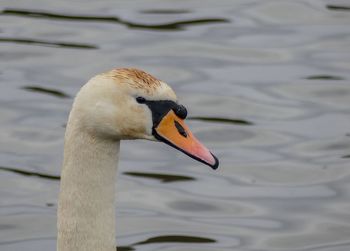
267	92
123	248
179	25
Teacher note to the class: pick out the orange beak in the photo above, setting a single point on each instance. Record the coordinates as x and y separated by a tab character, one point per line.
173	131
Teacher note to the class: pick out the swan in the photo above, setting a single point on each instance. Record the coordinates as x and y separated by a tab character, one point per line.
123	103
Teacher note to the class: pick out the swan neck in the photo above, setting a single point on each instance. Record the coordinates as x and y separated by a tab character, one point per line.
86	211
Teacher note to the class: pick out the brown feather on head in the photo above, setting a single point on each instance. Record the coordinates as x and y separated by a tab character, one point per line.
136	78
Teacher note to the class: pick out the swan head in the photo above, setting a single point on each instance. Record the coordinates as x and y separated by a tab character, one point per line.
128	103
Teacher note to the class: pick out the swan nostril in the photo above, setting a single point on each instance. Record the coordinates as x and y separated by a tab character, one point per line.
180	111
180	129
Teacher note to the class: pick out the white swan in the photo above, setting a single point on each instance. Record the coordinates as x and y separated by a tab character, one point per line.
119	104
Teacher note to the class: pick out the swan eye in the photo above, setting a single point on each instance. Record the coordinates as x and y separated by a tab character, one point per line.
141	100
180	111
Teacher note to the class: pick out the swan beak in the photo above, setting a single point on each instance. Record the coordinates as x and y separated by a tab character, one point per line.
173	131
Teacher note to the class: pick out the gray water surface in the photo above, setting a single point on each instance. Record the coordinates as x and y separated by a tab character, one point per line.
267	87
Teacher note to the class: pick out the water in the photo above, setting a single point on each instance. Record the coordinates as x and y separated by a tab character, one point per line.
267	87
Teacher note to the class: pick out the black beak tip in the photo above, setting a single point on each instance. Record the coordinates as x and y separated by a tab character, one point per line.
216	164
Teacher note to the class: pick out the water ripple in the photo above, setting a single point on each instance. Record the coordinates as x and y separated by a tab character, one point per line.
165	11
176	238
170	26
29	173
338	7
223	120
324	77
46	43
45	90
165	178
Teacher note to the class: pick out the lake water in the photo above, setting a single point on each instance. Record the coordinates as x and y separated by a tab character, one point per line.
267	87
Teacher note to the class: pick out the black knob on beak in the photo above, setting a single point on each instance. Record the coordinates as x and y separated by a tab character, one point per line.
180	111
